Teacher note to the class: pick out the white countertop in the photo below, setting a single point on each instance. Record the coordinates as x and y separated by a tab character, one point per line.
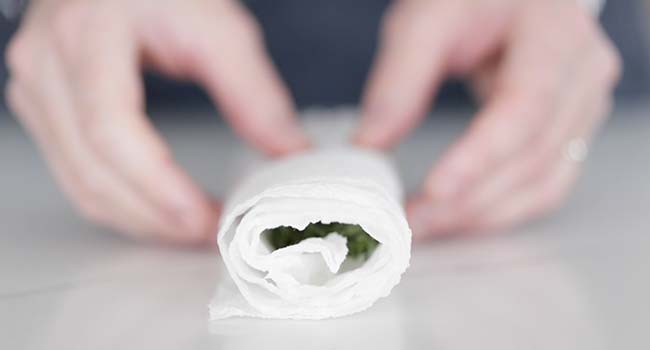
577	280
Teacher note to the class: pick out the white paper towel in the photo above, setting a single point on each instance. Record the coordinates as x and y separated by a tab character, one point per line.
312	279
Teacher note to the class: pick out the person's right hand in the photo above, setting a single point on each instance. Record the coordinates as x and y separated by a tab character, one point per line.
76	86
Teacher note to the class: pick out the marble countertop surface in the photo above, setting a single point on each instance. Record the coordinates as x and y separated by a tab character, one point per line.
579	279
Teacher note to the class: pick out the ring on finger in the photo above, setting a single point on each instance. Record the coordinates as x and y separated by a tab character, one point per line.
576	150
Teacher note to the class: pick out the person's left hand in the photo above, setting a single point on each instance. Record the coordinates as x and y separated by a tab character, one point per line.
544	72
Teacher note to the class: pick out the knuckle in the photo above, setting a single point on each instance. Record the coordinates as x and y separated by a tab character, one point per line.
90	191
532	104
584	26
18	56
591	38
405	19
610	66
95	131
504	136
67	24
244	24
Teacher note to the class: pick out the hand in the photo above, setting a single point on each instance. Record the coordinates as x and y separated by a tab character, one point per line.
544	73
76	86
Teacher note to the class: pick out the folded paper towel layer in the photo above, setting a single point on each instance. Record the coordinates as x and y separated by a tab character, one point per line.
312	279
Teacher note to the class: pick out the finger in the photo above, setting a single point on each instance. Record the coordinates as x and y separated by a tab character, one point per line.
412	61
535	200
223	50
540	196
580	118
524	200
523	102
435	216
539	153
428	218
28	115
581	114
31	116
97	192
104	82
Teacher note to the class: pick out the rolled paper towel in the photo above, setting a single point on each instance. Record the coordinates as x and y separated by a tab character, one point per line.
315	278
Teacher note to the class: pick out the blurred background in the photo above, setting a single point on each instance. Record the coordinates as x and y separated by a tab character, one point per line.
324	49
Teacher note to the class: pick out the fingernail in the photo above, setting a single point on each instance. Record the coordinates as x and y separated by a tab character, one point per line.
451	176
418	218
368	135
448	184
193	223
371	132
296	138
188	211
213	222
292	140
428	219
446	187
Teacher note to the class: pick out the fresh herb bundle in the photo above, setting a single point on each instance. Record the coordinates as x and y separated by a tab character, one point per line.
360	243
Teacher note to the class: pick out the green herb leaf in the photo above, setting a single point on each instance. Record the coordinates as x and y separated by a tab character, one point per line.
360	243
